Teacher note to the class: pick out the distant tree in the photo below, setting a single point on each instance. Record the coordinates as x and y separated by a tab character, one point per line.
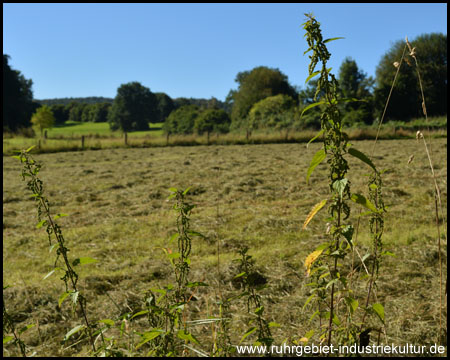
81	100
354	83
272	112
17	98
99	112
212	121
43	118
165	106
60	112
406	100
255	85
76	112
134	107
86	113
181	101
182	120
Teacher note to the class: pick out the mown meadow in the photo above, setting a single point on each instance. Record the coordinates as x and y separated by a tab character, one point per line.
251	196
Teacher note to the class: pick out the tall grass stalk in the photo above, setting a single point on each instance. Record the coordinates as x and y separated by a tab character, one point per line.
437	192
412	54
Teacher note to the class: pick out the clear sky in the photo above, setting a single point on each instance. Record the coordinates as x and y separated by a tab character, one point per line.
194	50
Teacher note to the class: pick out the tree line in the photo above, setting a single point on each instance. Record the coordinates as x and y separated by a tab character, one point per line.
263	99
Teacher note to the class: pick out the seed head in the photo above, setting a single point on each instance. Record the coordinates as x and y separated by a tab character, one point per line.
411	158
419	135
397	64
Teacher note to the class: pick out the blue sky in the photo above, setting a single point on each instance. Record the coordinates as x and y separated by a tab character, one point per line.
194	50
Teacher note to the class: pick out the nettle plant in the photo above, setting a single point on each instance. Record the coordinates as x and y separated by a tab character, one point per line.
165	307
30	171
331	286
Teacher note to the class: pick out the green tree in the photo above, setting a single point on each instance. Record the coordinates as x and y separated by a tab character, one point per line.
134	107
43	118
406	100
17	98
354	83
274	112
76	112
99	112
212	121
255	85
182	120
60	112
165	106
86	114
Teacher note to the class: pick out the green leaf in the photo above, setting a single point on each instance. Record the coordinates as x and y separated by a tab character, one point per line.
172	189
314	315
273	324
186	191
315	137
361	156
150	335
239	275
187	336
62	298
309	334
7	339
311	76
108	322
41	224
332	39
331	283
25	328
352	303
379	310
30	148
174	255
259	310
57	216
309	49
388	253
143	312
316	160
249	331
173	237
310	106
83	260
339	186
308	300
360	199
195	284
73	331
348	231
336	320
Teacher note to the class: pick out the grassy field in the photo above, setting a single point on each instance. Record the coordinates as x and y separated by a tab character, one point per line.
98	136
76	129
246	195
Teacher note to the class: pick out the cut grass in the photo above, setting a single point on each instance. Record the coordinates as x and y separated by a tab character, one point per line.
118	215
